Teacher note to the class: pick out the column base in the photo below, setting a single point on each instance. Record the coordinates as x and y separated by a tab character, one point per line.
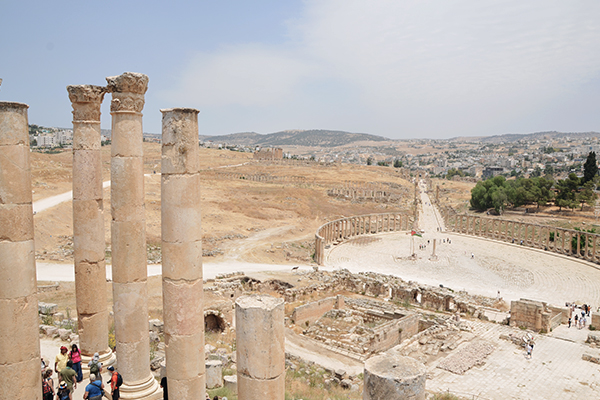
148	389
107	358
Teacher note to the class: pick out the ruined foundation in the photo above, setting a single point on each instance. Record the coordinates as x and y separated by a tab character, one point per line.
260	347
88	224
390	376
182	255
128	234
19	338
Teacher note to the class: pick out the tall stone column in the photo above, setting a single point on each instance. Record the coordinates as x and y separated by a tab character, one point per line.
88	224
19	337
260	348
183	306
128	236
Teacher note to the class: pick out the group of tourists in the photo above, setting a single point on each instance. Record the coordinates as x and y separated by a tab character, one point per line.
580	319
67	366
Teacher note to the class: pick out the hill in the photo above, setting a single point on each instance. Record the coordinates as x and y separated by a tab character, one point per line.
515	137
315	137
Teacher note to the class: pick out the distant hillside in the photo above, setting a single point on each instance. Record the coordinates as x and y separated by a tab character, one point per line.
514	137
316	137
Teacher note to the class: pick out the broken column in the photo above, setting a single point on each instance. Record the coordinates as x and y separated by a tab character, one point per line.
88	224
128	237
260	347
392	376
182	254
19	337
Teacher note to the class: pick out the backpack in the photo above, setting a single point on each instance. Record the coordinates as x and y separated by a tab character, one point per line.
46	386
119	380
94	368
64	394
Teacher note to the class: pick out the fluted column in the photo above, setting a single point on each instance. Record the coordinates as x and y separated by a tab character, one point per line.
183	306
88	223
128	234
19	336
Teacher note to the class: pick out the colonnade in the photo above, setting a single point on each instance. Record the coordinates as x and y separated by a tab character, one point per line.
570	242
256	177
346	228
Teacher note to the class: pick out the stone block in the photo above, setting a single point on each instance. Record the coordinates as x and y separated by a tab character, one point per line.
183	306
130	312
90	290
133	362
260	336
259	389
180	215
15	175
129	262
86	135
230	382
87	175
193	388
19	336
17	277
29	384
185	355
88	231
127	188
47	308
16	222
391	376
14	128
214	374
129	140
182	260
64	334
156	325
93	334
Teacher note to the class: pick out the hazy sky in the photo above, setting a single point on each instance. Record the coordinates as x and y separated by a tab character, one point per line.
400	69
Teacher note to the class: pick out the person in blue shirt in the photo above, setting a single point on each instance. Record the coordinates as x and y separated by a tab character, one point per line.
94	390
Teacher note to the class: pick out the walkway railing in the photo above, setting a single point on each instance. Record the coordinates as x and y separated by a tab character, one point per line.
579	244
345	228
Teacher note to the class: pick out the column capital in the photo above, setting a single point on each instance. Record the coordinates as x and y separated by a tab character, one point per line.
86	101
128	91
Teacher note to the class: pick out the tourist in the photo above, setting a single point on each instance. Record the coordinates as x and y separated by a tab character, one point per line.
69	376
115	383
95	389
569	322
60	361
63	392
47	385
529	349
577	321
75	356
95	366
163	385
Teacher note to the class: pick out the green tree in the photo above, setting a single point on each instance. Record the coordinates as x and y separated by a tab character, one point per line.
370	161
566	192
590	168
549	169
397	163
586	194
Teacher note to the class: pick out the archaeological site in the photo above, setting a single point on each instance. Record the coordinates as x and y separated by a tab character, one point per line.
252	276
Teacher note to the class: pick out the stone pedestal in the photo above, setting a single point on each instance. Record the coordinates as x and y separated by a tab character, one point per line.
214	374
182	254
128	234
391	376
88	223
19	337
260	347
230	382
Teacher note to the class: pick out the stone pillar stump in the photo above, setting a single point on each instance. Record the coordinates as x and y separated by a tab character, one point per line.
390	376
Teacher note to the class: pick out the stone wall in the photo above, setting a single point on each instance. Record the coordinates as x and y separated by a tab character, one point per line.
394	332
267	178
569	242
530	314
309	313
269	154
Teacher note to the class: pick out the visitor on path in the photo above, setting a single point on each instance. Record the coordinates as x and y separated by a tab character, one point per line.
577	321
472	255
60	361
163	385
95	366
75	356
95	389
529	349
569	322
47	385
69	376
115	383
63	392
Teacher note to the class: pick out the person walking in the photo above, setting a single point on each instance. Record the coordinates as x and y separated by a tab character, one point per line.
68	375
95	366
94	389
529	349
47	385
63	392
115	383
60	361
75	356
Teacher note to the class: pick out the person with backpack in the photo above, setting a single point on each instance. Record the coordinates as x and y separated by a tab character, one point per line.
47	385
95	366
116	380
95	389
63	392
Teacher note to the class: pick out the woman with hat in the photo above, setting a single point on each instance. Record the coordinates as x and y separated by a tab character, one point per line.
63	392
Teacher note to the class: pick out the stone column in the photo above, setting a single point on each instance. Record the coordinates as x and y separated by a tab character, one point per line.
260	347
183	306
19	337
128	234
88	224
391	376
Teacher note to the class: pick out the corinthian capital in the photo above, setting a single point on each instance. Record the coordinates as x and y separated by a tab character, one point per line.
86	101
129	82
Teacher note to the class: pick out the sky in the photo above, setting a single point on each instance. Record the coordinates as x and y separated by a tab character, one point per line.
401	69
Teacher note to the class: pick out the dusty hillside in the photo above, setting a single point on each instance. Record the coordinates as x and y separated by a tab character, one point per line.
243	219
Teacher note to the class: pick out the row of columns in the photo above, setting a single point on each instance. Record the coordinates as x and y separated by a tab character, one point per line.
259	177
346	228
564	241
